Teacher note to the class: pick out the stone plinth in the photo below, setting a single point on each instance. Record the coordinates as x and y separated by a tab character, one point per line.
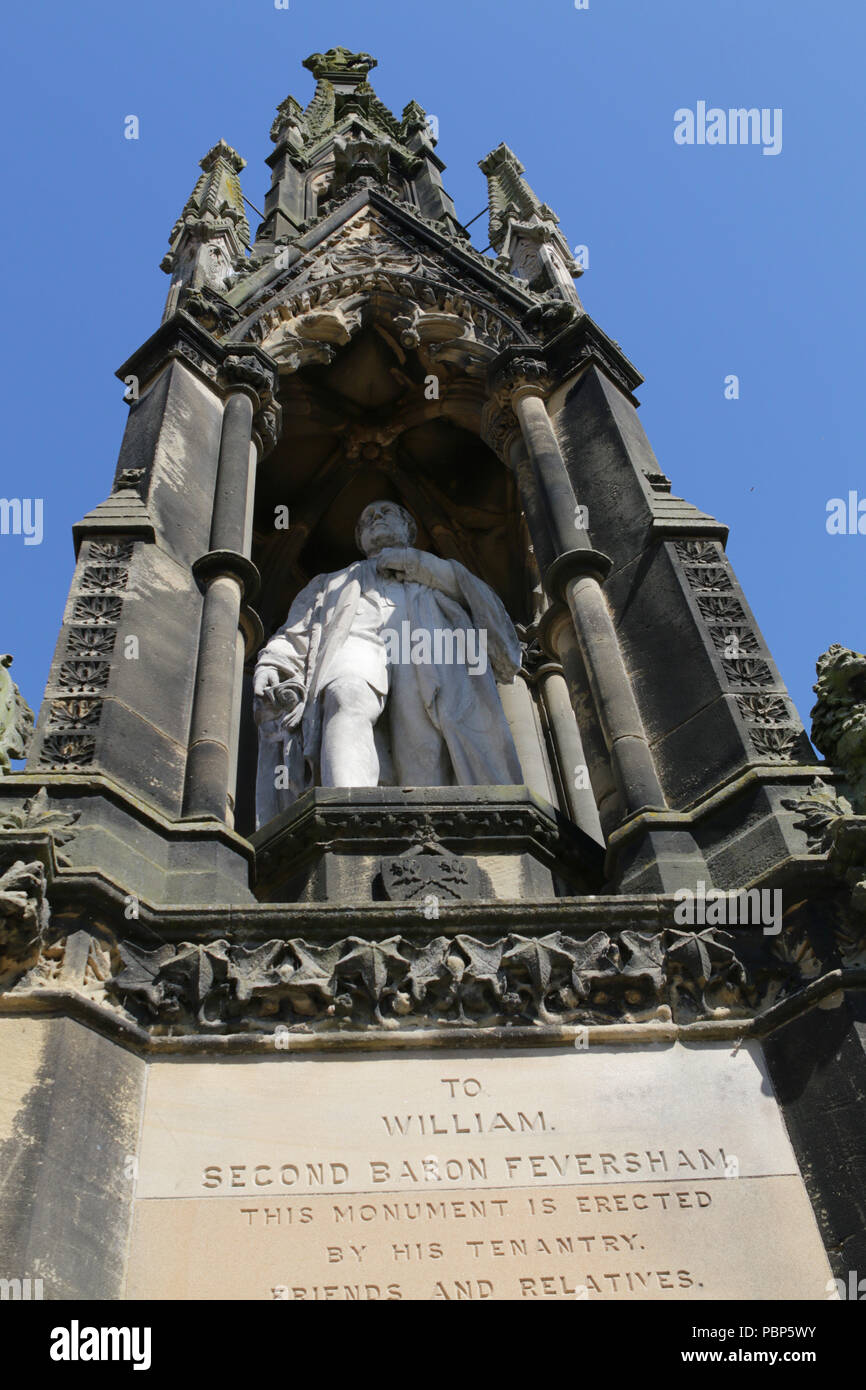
333	843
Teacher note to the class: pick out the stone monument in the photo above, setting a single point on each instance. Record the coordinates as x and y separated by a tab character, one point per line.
334	966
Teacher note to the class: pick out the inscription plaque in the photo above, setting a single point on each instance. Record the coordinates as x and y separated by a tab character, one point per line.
609	1173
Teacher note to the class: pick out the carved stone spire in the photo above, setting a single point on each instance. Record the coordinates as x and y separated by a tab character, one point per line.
525	231
344	139
212	231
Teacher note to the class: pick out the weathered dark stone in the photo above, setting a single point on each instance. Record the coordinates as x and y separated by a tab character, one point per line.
818	1067
68	1160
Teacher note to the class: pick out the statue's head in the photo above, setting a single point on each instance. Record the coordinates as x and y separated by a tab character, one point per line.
382	524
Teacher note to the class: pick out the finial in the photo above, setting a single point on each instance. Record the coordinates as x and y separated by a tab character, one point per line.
340	63
222	150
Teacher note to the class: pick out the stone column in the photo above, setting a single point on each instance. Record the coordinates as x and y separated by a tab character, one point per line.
229	581
556	635
575	576
518	706
652	850
568	745
556	628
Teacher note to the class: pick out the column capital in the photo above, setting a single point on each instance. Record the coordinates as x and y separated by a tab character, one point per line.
499	427
267	424
251	373
519	371
251	369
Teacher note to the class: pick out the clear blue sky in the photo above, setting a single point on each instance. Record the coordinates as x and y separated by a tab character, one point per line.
704	261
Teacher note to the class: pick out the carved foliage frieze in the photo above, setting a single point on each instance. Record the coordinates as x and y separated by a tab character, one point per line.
79	964
455	981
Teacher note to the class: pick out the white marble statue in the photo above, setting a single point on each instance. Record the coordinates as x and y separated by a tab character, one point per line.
384	674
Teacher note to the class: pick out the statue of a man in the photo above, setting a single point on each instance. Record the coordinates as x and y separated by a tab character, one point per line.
380	675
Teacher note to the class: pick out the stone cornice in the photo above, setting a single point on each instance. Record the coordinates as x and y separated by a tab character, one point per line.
106	1021
757	774
293	971
582	342
27	783
83	890
182	338
554	364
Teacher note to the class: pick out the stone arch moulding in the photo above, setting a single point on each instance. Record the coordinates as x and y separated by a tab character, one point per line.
302	319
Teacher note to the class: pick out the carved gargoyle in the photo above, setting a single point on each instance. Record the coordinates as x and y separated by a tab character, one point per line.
839	718
23	908
836	824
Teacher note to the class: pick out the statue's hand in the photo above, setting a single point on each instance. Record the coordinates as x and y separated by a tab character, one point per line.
265	681
290	697
392	561
419	567
403	562
277	700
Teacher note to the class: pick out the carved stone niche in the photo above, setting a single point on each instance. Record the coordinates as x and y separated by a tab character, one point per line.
408	846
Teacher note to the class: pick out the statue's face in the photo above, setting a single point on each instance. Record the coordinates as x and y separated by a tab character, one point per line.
382	524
